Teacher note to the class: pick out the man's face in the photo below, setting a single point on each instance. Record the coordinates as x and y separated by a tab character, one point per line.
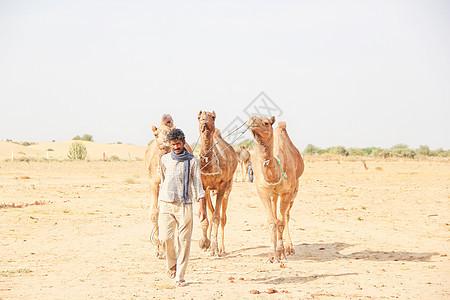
177	146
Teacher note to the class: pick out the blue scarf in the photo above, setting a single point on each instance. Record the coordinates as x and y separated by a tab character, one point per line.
185	157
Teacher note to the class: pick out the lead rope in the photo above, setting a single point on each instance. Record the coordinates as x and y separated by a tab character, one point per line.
283	174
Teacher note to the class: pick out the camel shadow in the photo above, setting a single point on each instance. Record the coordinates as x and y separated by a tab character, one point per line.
329	252
296	279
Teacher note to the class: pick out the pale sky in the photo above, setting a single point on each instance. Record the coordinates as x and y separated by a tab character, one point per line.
351	73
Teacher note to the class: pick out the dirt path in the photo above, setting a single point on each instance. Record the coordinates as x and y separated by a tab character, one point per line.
358	234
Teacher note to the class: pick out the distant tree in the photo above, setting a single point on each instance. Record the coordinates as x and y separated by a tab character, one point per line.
357	152
247	143
423	150
338	150
311	149
87	137
76	138
399	146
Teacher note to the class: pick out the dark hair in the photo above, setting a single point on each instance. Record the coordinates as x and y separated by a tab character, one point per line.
175	135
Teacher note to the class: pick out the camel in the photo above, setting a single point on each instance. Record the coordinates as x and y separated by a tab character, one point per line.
218	162
277	166
152	157
243	156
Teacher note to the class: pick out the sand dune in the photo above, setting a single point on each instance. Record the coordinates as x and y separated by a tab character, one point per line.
7	149
60	150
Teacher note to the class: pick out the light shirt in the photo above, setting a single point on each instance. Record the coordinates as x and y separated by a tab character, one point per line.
171	188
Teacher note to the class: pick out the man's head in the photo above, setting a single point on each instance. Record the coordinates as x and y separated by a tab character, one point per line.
177	140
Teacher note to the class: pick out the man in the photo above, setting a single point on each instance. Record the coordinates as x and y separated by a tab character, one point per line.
180	181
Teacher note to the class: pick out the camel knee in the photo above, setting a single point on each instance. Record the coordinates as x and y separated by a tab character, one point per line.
280	228
154	216
215	220
272	227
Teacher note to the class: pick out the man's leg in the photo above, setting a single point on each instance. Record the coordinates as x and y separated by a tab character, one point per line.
167	224
185	224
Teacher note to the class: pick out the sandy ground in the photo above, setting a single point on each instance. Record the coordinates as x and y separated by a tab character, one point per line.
59	151
375	233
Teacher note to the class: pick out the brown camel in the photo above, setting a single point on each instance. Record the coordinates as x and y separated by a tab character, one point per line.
152	157
243	156
277	166
218	163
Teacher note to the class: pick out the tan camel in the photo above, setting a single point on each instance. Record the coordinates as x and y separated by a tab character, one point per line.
277	166
217	169
152	157
243	156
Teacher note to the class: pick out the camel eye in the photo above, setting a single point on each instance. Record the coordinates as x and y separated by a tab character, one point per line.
266	123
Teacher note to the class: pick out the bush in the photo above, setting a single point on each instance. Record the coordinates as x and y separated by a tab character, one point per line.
85	137
423	150
357	152
77	151
399	146
311	149
247	143
338	150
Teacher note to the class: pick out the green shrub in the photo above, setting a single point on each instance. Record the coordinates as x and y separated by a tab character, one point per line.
357	152
85	137
311	149
247	143
423	150
338	150
77	151
399	146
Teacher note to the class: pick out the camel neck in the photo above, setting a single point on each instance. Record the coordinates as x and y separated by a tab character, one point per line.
265	150
206	142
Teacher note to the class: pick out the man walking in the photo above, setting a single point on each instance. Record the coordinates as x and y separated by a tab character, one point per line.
180	181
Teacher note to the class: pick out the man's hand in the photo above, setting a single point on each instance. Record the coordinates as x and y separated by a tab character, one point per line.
202	209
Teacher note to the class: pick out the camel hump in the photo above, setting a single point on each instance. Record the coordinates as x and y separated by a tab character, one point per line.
167	120
282	125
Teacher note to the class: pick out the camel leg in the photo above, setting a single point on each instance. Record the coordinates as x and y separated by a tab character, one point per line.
223	217
243	171
215	221
286	202
154	211
289	247
205	243
271	221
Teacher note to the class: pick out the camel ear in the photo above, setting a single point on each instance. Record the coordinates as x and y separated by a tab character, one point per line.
272	120
214	114
199	114
154	128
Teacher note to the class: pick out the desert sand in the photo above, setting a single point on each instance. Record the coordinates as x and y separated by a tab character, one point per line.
378	231
59	151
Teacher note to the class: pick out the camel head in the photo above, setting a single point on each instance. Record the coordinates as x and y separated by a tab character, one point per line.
261	128
206	123
167	120
161	137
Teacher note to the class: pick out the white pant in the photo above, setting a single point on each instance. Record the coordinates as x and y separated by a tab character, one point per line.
174	215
